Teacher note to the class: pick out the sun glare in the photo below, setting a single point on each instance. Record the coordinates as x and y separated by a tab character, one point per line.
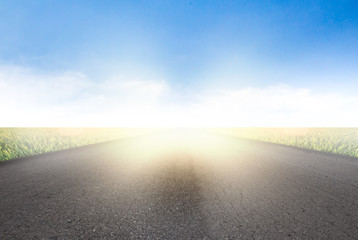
174	143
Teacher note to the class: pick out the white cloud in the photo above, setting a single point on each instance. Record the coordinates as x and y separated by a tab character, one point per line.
34	98
280	106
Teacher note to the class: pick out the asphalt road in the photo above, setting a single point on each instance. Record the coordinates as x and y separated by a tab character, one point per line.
180	185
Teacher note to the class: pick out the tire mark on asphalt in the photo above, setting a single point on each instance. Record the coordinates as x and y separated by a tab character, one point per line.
180	200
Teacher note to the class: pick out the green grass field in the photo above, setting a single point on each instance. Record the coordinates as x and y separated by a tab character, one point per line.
342	141
21	142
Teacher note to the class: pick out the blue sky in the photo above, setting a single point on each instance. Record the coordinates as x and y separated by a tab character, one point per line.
191	50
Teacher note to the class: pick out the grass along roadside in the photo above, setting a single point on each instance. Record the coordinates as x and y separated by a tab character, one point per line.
342	141
22	142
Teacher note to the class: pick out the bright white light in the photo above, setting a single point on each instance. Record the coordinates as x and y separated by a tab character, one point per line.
32	99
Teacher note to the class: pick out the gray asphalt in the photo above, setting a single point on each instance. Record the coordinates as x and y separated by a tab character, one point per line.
180	185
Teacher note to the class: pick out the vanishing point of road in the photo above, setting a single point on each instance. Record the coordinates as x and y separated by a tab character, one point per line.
180	185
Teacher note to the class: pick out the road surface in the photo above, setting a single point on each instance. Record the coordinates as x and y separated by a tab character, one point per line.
180	185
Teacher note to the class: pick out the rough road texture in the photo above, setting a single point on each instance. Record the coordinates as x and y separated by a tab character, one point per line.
168	186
